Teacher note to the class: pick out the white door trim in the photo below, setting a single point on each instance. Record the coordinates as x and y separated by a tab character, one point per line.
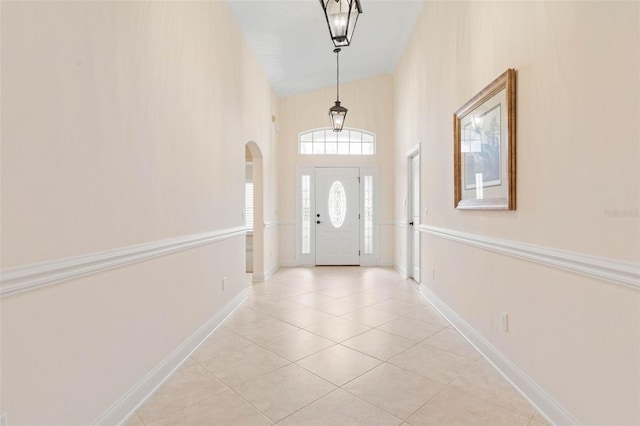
308	259
411	153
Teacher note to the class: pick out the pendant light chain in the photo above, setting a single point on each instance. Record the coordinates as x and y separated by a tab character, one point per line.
337	50
337	113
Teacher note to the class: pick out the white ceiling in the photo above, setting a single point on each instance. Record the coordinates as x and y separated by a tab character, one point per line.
291	41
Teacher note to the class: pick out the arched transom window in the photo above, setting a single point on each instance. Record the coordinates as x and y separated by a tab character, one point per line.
327	142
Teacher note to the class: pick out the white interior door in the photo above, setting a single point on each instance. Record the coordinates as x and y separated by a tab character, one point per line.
337	216
415	216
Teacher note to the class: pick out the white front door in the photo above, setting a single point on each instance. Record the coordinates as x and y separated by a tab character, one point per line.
337	216
415	215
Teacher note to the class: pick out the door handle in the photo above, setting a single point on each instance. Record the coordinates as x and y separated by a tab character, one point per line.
318	222
411	223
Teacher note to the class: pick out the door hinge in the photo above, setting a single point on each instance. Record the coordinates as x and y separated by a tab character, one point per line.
358	179
358	216
358	252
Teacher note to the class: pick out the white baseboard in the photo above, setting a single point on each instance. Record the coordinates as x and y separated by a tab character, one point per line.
288	264
384	262
267	274
402	271
127	405
543	402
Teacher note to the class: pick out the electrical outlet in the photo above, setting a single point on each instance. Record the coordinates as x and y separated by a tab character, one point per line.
224	283
504	321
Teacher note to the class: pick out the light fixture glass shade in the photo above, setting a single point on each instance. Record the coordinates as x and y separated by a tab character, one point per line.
337	114
342	16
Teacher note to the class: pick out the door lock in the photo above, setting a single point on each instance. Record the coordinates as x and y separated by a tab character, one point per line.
411	223
318	222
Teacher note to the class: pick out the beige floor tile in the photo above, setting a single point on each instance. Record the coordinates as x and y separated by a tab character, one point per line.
338	307
393	306
448	339
134	421
414	297
289	291
454	407
338	364
337	329
539	420
395	290
243	316
335	291
410	328
225	408
297	345
303	317
263	330
428	315
266	306
365	298
431	363
189	362
351	284
369	316
340	408
379	344
483	381
235	368
284	391
372	285
270	287
308	285
390	317
185	387
421	310
221	342
393	389
312	299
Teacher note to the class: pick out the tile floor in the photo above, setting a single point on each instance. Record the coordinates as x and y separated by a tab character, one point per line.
336	346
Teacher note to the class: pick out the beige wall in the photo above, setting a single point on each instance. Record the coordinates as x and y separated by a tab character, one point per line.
370	105
577	157
123	123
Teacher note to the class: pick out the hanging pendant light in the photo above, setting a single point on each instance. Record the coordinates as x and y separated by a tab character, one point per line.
342	16
337	113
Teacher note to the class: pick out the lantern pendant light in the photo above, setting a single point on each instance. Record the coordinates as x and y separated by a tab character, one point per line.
337	113
342	16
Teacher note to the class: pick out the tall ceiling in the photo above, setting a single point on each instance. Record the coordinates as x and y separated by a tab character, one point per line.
291	41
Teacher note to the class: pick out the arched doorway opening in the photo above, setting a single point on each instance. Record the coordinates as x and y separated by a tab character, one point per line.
254	209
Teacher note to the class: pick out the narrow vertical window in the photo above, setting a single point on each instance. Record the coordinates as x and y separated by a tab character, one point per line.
306	214
368	215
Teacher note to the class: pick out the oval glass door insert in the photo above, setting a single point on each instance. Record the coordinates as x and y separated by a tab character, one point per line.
337	204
